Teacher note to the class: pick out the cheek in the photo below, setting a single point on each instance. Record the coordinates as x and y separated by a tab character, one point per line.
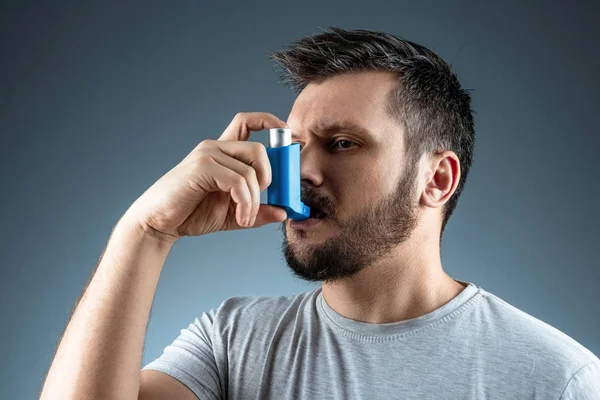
374	177
356	189
364	179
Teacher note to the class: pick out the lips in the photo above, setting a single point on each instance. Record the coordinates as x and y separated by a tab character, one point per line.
306	223
316	217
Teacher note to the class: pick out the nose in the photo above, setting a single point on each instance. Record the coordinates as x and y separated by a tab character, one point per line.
311	165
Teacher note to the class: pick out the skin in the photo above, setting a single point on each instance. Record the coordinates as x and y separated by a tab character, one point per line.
383	272
377	254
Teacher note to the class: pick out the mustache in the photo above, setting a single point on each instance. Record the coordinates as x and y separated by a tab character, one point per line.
315	200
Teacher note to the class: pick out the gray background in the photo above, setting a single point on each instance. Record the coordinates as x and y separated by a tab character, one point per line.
97	101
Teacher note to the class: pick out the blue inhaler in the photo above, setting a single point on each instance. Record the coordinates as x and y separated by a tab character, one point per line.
284	190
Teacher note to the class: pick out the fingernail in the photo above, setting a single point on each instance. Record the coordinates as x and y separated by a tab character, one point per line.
252	221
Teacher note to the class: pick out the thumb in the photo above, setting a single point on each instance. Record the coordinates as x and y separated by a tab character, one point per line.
268	214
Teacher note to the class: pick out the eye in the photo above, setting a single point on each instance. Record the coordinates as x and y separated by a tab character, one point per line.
346	144
344	141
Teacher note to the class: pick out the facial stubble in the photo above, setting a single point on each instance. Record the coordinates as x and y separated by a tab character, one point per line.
368	236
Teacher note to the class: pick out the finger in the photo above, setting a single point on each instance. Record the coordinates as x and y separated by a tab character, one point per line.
227	180
250	174
268	214
245	122
253	154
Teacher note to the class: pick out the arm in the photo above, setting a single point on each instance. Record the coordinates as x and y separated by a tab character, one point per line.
100	353
585	384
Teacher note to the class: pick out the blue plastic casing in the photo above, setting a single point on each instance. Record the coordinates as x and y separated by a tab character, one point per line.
284	190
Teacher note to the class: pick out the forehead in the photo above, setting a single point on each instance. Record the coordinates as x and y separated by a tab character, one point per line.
352	99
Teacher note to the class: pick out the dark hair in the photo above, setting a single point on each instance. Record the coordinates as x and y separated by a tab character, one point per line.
428	100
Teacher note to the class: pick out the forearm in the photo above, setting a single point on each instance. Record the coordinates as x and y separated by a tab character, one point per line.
100	353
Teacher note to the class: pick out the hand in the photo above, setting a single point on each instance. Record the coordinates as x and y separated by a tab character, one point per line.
216	187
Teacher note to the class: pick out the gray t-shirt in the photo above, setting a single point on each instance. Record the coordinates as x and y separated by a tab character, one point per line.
476	346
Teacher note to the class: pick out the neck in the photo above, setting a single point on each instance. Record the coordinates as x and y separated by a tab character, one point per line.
407	284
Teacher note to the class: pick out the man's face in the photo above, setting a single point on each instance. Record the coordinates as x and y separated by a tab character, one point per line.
353	167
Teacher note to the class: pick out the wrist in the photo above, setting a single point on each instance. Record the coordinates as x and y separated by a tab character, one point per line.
131	229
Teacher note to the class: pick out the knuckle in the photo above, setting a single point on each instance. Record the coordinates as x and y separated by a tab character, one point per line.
201	156
265	181
259	148
239	180
205	144
239	116
250	173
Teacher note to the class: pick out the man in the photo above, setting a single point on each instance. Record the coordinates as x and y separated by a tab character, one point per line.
386	135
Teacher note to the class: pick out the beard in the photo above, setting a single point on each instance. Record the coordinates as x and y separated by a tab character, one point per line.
368	236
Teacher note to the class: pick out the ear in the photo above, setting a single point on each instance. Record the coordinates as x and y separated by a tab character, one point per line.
442	179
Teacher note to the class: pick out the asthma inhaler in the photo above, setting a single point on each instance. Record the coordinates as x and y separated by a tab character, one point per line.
284	190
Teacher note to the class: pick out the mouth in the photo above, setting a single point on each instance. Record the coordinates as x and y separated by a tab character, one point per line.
306	223
315	212
316	217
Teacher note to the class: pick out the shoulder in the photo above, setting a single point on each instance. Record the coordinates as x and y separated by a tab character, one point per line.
585	384
261	311
531	337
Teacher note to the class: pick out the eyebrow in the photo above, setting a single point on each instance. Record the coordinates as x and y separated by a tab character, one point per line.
333	127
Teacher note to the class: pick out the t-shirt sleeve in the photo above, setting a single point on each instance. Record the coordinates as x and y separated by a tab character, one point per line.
585	384
191	360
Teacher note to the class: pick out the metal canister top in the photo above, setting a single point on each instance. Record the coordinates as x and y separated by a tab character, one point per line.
279	137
